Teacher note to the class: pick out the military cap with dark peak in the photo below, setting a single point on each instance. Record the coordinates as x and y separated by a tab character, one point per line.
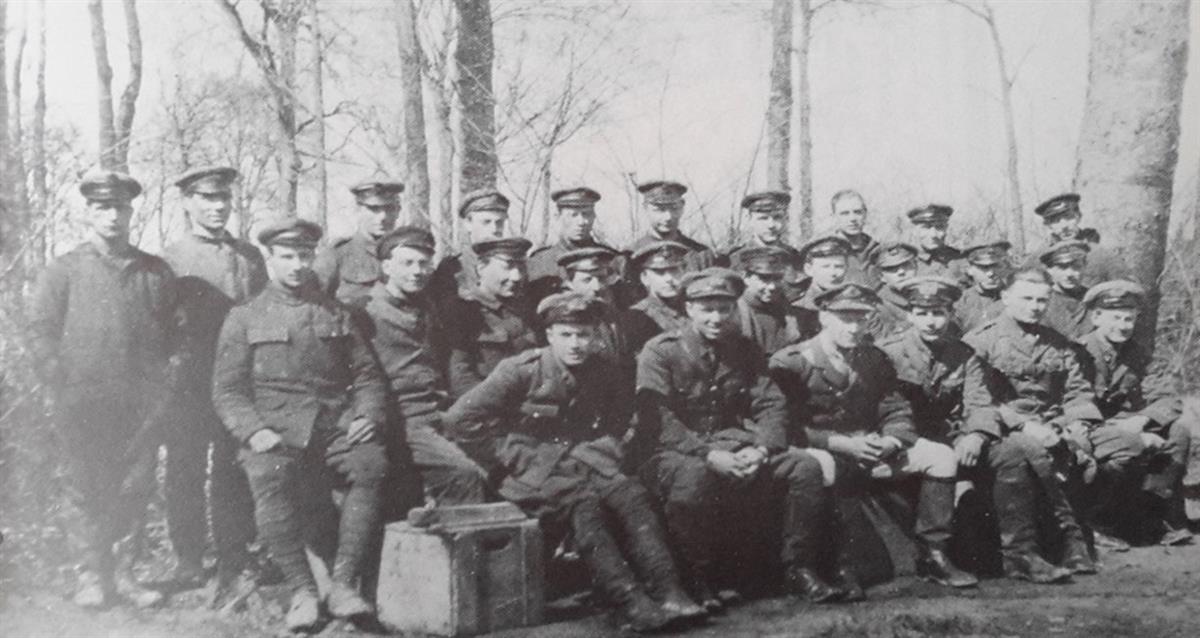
829	246
575	197
1117	294
893	254
930	291
207	179
662	191
1058	205
659	255
509	248
570	307
109	186
766	201
848	296
765	260
377	193
290	231
483	200
408	237
988	254
930	213
713	283
1065	252
589	259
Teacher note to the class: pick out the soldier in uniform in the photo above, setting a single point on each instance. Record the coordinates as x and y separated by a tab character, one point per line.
844	399
590	271
932	365
349	268
485	215
1065	262
576	219
763	312
493	320
1061	217
825	261
849	218
722	459
986	266
895	263
410	338
298	385
556	415
662	202
215	271
767	222
104	325
660	268
935	256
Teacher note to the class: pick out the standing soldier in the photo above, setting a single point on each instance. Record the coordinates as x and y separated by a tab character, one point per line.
844	398
935	256
767	222
576	219
349	268
932	365
104	326
215	272
493	320
1061	217
1065	262
895	263
763	313
660	268
722	456
556	415
297	384
485	215
849	218
986	266
663	202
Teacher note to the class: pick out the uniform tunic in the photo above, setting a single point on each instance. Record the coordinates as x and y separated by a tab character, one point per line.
891	317
1066	313
946	261
859	268
1103	263
455	275
650	317
771	326
977	307
484	331
349	268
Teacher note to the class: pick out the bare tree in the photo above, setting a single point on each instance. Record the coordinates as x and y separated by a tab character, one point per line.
1128	146
804	180
41	194
6	227
416	154
318	107
473	58
19	197
779	107
116	127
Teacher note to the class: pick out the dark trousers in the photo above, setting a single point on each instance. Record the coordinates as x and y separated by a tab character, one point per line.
448	475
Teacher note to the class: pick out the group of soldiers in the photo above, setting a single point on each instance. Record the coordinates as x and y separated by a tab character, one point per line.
691	423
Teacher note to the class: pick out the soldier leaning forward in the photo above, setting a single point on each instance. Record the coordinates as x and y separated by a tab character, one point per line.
721	462
555	416
297	384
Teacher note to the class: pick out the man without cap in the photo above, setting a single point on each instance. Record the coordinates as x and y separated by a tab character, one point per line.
349	268
493	320
660	269
1134	399
932	365
934	255
1062	219
766	225
484	215
844	401
576	221
557	415
986	266
1065	262
722	465
410	337
663	204
105	329
215	271
849	219
297	384
763	312
895	263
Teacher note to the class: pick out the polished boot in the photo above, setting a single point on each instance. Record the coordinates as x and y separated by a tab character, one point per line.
805	584
1031	567
691	533
936	567
612	575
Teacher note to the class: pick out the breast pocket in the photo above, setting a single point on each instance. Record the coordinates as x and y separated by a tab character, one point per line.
334	337
269	347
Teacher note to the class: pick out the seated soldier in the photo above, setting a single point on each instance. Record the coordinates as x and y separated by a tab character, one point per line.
590	271
1135	400
895	263
1065	263
932	364
555	416
721	460
763	312
844	397
985	265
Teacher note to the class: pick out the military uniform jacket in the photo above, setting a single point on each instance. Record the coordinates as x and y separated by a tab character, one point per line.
771	326
650	317
891	317
859	268
349	268
540	412
1066	313
946	261
932	377
483	331
694	396
977	307
455	275
544	274
293	361
823	400
1103	263
1124	386
409	338
1025	374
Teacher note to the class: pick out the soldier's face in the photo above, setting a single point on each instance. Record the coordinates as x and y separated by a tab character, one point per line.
1115	324
407	270
826	272
850	214
987	277
109	220
210	211
594	283
931	323
375	220
765	287
931	235
712	318
290	265
662	282
571	343
664	218
1067	276
1026	301
767	226
575	224
502	277
846	328
486	224
893	275
1064	226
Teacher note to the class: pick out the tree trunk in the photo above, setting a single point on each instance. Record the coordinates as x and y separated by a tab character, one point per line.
473	57
19	197
779	105
124	122
41	193
1128	146
104	99
1016	210
416	153
318	104
803	201
287	24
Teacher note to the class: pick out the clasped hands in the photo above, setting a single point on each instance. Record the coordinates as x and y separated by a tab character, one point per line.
741	465
869	449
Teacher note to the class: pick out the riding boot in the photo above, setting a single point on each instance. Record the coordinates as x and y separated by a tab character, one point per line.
690	530
805	517
935	511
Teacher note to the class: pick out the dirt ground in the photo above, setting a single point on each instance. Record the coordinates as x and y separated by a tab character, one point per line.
1148	592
